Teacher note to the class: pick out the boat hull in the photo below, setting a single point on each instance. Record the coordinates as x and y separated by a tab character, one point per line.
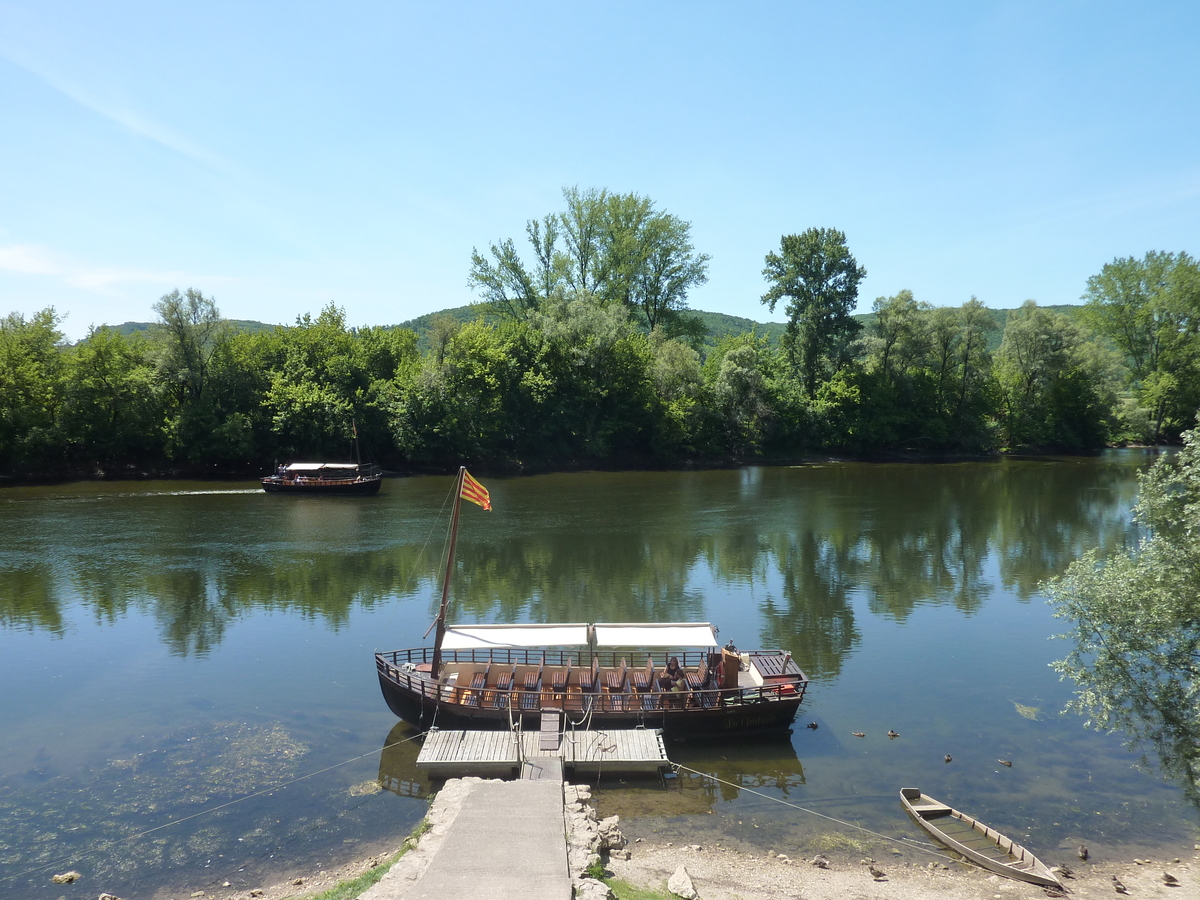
971	839
314	488
711	713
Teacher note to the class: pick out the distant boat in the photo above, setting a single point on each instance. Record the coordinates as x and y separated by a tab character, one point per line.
668	675
324	479
973	840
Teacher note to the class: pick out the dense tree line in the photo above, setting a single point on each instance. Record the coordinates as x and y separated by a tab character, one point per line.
589	357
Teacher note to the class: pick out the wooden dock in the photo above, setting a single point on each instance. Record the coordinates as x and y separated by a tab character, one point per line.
488	754
500	754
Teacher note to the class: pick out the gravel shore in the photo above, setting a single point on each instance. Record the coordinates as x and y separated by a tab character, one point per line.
727	874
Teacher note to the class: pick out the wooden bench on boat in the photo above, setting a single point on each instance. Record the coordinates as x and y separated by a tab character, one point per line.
531	695
643	678
474	695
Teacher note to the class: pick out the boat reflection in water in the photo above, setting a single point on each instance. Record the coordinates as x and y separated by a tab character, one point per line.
709	776
398	763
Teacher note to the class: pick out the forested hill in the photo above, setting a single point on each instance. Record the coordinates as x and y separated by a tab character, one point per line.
718	326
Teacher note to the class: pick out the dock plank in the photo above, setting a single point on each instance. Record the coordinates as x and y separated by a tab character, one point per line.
500	752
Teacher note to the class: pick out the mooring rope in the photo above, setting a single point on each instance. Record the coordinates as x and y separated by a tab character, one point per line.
906	842
204	812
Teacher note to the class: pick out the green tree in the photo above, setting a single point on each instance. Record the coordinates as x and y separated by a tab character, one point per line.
585	227
679	386
815	273
190	329
30	388
741	393
614	248
504	282
900	335
1058	388
111	410
1150	309
327	380
650	263
1134	621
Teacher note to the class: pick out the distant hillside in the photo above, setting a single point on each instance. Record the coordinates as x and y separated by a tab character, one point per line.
719	325
128	328
999	316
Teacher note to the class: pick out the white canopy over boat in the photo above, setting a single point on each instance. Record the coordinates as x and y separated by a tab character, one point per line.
632	634
313	467
481	637
654	634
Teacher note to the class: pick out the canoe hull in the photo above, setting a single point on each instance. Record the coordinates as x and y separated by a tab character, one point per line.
971	839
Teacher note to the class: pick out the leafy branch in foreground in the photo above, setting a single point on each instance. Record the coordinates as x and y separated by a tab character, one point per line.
1135	624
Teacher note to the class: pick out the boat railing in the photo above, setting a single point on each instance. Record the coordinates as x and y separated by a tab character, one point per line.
409	669
688	659
324	479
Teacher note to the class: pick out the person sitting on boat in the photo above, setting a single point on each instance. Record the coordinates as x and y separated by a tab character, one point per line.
666	683
674	670
676	687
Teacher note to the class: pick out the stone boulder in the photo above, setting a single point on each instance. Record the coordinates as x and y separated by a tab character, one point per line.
681	885
591	889
610	833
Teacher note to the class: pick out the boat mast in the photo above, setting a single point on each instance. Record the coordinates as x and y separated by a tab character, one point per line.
436	669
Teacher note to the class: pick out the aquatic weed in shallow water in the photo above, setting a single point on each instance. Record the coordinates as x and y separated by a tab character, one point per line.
104	810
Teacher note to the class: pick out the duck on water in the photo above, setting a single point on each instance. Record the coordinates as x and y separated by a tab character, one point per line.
668	675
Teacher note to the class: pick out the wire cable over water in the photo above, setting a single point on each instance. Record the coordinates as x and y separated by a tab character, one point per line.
904	842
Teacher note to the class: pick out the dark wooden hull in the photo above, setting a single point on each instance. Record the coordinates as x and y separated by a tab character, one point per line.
971	839
315	488
715	712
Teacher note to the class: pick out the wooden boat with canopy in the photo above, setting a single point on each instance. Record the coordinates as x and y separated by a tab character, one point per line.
672	676
971	839
324	479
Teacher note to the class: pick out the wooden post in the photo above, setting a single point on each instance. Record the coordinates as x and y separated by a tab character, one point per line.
436	668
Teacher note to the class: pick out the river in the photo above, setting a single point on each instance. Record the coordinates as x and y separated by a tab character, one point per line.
189	694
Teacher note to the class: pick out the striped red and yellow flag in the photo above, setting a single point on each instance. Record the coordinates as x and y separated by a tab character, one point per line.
475	492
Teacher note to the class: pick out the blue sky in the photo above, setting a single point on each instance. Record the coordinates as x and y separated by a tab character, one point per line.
282	156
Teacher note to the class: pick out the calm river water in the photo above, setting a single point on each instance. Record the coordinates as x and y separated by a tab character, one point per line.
169	647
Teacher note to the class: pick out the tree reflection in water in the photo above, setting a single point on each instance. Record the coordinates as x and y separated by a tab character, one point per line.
1135	624
581	547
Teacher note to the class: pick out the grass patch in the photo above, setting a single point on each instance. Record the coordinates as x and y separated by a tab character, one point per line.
626	891
595	870
349	890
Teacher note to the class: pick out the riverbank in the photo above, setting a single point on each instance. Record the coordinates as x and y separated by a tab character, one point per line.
720	873
254	472
727	870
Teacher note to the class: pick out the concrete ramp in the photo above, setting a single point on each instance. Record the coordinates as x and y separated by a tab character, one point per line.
507	842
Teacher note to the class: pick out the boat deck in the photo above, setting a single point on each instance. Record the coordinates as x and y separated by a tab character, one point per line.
492	753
